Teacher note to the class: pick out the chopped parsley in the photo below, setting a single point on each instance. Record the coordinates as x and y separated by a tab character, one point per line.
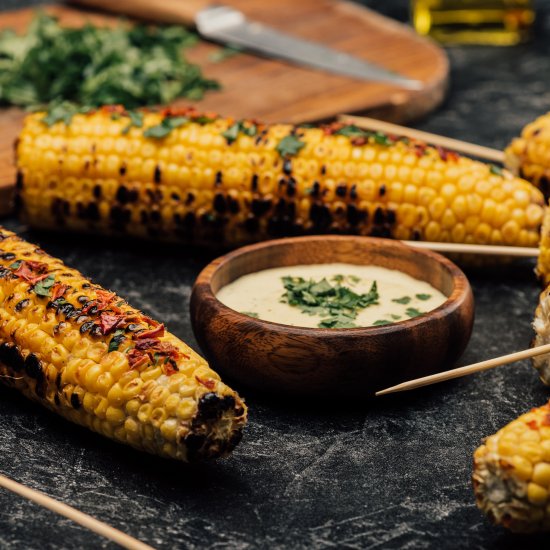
232	133
413	312
381	322
116	340
339	304
132	65
423	297
404	300
43	287
382	139
340	321
289	146
203	119
16	264
353	131
61	111
136	119
496	170
165	127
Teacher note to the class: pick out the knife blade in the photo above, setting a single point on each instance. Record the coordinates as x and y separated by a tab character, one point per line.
230	26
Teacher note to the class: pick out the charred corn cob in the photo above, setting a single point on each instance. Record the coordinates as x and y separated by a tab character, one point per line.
529	154
512	473
84	353
209	180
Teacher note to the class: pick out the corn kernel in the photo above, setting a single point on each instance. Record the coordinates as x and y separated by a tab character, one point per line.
536	494
523	467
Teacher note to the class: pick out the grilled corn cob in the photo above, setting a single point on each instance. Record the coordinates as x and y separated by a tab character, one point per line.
84	353
529	154
512	473
209	180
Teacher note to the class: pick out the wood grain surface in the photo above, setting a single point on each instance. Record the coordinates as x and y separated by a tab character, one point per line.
282	359
275	91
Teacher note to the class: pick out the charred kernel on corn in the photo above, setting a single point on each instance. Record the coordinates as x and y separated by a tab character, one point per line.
210	180
126	377
512	473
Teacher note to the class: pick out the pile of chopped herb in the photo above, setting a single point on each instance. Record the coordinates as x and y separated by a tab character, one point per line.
92	66
338	304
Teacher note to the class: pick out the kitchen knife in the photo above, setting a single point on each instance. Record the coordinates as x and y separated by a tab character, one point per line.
230	26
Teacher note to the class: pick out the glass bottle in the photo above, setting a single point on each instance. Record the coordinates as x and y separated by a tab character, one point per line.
497	22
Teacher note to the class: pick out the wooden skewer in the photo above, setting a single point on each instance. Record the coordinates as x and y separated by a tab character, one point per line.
487	249
122	539
478	151
464	371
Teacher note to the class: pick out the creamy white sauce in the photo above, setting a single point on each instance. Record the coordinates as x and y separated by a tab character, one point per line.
260	293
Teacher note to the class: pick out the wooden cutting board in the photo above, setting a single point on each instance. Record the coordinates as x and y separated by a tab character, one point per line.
275	91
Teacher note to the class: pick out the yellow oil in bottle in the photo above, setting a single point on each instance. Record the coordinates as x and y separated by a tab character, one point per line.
497	22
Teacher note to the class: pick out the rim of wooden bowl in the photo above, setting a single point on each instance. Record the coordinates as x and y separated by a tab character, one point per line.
203	290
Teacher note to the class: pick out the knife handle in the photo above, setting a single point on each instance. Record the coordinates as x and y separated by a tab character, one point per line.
162	11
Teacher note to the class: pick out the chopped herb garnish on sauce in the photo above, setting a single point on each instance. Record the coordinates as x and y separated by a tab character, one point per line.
395	317
337	322
404	300
381	322
289	146
413	312
43	287
338	303
423	297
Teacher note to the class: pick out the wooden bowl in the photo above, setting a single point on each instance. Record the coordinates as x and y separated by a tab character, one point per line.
349	362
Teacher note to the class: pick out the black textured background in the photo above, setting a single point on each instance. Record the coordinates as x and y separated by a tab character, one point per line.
395	475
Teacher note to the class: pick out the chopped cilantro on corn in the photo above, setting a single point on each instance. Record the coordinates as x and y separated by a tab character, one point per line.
512	473
202	179
84	353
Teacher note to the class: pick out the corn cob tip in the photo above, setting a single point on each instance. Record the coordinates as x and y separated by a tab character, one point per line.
511	475
85	353
528	155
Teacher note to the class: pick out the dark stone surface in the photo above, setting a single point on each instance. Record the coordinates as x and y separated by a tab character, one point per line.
395	474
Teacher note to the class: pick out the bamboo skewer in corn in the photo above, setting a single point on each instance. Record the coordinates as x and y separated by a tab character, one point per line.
466	370
478	151
87	521
482	249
